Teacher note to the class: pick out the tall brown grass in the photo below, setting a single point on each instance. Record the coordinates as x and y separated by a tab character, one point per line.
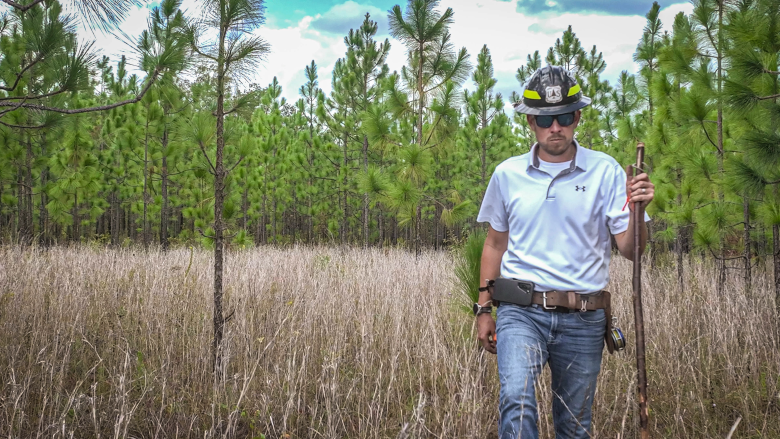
334	343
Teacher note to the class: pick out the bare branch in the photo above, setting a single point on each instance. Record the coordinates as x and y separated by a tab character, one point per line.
19	75
33	98
235	165
211	165
87	109
21	7
23	127
708	136
203	234
766	98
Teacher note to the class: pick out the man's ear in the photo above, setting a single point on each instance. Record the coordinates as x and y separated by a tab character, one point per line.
530	119
577	116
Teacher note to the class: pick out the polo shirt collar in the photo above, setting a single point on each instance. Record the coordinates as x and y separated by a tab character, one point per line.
579	160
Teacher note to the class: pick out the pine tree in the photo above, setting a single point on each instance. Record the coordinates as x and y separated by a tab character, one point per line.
53	48
366	59
311	94
434	69
753	91
233	52
522	129
486	131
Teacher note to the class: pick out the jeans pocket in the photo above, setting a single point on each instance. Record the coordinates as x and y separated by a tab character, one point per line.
597	317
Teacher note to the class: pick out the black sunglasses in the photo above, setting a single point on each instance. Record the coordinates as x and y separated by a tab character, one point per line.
564	120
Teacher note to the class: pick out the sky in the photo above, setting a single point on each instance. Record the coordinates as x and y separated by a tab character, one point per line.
300	31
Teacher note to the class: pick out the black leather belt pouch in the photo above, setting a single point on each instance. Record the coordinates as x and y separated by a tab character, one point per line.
515	291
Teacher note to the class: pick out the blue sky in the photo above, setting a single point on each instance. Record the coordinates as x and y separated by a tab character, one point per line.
300	31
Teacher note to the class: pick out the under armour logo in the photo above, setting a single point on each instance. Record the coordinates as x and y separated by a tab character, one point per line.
577	188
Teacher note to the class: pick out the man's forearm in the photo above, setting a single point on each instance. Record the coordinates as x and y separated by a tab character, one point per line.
628	238
490	268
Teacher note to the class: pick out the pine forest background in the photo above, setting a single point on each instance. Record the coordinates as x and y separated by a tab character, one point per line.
121	195
89	152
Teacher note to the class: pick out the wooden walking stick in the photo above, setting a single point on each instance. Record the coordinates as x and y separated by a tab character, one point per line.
639	325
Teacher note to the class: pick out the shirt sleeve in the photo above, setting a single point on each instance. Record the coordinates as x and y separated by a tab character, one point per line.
618	211
493	209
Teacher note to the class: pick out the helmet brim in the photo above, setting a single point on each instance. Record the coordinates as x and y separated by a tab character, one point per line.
552	111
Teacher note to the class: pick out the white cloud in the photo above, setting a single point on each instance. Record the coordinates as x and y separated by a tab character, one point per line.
114	46
509	35
294	48
348	15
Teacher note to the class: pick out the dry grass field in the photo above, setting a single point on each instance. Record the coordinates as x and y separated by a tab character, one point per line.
342	343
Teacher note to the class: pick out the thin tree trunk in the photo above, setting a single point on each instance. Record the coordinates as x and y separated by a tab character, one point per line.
245	201
273	219
746	237
417	236
76	218
380	225
678	247
345	222
27	235
365	194
219	200
265	202
274	206
43	217
114	220
776	263
164	214
145	226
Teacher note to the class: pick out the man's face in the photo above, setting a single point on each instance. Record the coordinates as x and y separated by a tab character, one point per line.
556	140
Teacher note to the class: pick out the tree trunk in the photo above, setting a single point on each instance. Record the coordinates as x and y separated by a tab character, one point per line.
144	225
273	219
164	214
114	220
417	237
27	225
245	202
720	263
380	225
265	201
76	236
219	200
420	104
43	214
365	195
746	237
274	205
678	247
776	263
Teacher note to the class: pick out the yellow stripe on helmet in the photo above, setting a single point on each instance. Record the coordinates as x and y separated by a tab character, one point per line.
574	90
530	94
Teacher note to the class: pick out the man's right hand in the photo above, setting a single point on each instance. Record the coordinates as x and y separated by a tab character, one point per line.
486	332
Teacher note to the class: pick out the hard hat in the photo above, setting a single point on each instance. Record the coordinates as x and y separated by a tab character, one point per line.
551	90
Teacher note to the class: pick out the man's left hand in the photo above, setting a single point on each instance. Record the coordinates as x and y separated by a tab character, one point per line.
639	188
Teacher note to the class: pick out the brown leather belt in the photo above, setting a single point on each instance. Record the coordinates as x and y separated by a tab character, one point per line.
570	300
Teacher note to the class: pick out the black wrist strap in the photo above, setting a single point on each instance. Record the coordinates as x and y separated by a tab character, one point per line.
483	289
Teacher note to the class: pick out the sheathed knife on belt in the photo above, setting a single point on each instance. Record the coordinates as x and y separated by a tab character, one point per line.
639	218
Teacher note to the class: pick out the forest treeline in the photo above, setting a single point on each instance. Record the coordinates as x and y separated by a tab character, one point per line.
91	152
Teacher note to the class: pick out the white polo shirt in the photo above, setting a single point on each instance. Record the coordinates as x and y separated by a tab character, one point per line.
559	226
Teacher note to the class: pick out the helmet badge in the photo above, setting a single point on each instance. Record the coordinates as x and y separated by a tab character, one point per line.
553	94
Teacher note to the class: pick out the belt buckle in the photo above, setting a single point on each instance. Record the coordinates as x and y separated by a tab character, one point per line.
544	302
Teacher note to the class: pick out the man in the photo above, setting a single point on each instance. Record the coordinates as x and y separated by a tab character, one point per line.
551	212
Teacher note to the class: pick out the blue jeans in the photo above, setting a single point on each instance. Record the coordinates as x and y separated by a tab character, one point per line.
527	339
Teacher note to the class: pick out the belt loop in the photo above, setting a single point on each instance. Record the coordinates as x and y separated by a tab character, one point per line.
571	298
